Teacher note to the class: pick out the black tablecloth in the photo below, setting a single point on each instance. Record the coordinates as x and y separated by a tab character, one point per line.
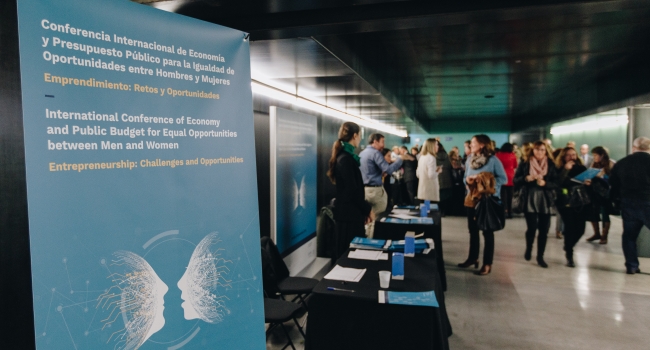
385	230
346	320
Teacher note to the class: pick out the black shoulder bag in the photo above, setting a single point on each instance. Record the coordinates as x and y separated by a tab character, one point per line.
490	214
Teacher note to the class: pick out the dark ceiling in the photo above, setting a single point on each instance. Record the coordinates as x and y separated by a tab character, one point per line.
463	66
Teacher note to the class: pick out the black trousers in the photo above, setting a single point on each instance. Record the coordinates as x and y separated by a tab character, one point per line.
475	243
506	196
534	222
345	233
574	227
412	190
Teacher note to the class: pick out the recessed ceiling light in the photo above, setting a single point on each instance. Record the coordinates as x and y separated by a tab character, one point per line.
489	96
518	61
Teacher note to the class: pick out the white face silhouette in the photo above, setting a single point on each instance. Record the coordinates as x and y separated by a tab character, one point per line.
159	302
139	294
204	282
188	309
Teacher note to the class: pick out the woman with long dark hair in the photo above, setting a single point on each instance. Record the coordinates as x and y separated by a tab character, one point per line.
410	166
351	211
602	206
445	178
481	160
537	178
569	165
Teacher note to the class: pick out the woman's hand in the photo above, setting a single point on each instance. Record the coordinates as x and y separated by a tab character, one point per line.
541	182
530	178
569	165
587	182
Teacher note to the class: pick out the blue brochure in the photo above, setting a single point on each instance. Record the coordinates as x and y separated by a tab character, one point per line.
409	244
409	298
586	175
367	243
405	207
398	266
423	220
395	221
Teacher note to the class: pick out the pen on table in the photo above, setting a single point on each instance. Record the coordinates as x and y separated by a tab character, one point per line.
340	289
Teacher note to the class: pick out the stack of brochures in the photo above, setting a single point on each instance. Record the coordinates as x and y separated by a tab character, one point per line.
412	207
368	243
408	220
422	246
364	254
347	274
409	298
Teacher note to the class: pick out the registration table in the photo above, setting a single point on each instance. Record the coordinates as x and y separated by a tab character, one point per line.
384	230
356	320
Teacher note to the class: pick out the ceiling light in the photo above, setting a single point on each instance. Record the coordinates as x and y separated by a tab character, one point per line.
276	94
601	123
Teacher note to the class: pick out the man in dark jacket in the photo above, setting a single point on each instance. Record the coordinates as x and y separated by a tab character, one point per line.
630	181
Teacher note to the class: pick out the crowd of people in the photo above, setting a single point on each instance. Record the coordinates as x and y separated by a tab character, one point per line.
534	180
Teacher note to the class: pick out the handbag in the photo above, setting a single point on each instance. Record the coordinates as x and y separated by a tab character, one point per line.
578	197
490	214
519	199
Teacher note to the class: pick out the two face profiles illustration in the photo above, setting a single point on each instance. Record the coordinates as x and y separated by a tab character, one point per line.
138	294
299	194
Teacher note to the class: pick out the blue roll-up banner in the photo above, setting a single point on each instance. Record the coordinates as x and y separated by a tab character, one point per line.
141	179
293	184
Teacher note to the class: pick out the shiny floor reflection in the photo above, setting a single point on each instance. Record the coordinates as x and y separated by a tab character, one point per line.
523	306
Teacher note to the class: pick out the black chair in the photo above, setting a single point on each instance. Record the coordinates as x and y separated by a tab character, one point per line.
276	312
276	279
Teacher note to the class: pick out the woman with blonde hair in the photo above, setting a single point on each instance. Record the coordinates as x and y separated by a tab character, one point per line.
427	172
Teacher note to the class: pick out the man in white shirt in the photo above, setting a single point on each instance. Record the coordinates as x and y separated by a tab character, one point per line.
587	159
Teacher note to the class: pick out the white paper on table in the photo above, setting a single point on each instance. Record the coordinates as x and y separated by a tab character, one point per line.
365	254
383	256
340	273
400	211
403	216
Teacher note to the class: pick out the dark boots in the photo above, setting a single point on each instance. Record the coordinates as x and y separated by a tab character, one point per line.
603	238
596	235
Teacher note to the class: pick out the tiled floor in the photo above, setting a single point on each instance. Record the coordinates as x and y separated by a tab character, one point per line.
523	306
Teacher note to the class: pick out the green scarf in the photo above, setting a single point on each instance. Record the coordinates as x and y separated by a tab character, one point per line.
350	149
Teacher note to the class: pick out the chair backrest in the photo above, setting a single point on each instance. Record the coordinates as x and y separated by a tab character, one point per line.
325	231
269	280
279	267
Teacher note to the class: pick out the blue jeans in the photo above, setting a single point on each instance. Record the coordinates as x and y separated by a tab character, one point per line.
635	214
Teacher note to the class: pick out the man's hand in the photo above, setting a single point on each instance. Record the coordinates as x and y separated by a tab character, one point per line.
370	218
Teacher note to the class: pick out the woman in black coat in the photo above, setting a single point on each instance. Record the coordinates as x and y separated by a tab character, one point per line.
536	178
569	165
351	211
